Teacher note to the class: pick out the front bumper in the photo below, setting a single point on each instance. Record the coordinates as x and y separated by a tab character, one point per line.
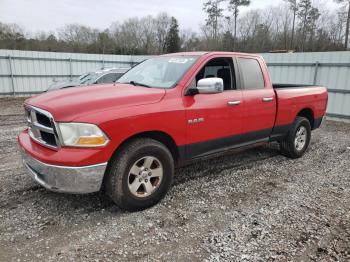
66	179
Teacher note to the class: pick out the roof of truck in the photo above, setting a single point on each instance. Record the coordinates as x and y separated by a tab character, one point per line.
198	53
202	53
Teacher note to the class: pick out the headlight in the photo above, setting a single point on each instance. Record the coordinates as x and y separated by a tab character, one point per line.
82	135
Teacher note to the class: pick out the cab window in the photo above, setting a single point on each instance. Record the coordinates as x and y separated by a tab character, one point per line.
251	73
221	68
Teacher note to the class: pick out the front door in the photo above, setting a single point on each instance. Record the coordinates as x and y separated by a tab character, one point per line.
214	121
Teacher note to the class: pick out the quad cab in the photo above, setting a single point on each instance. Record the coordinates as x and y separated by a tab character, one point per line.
128	137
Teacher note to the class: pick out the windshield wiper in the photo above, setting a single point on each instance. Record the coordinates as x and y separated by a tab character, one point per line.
137	84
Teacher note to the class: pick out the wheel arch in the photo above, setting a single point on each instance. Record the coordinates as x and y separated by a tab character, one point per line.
159	136
308	114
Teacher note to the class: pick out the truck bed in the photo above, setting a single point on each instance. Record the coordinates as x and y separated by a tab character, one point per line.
291	99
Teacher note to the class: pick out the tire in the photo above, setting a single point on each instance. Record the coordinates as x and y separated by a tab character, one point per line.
140	174
289	147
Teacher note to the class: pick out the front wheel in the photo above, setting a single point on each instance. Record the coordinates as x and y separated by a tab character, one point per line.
140	175
298	138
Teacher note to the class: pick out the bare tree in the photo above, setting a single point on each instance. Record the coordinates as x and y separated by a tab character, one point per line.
130	36
162	27
148	34
79	37
247	26
280	27
189	40
12	36
262	30
347	3
293	5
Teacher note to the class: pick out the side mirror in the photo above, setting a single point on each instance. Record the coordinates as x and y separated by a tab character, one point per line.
211	85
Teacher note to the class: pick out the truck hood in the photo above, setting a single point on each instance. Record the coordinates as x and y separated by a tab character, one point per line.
69	104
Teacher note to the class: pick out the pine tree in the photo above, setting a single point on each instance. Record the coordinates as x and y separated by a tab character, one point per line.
308	16
172	42
214	13
233	6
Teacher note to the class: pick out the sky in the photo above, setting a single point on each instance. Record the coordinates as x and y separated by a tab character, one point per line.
50	15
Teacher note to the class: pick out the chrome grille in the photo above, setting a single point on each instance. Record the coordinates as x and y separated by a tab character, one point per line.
42	127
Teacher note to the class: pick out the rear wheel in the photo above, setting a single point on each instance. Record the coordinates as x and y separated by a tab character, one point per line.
298	138
140	175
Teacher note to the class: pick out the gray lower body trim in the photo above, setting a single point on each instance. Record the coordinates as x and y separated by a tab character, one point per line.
201	149
76	180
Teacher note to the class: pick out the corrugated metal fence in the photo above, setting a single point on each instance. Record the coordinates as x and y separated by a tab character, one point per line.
25	72
330	69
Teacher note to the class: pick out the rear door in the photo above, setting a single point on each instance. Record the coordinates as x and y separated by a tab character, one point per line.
259	100
214	121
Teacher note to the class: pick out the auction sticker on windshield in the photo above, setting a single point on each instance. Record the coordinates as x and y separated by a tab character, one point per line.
180	60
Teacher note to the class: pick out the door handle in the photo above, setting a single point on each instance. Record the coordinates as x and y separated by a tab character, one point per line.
234	103
267	99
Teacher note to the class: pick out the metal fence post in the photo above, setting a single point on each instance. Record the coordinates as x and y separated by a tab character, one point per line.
317	64
70	69
103	63
11	75
131	62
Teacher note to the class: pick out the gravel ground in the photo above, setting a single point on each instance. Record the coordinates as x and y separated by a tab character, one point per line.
252	206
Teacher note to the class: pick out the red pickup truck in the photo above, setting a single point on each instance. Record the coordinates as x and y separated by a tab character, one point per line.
126	138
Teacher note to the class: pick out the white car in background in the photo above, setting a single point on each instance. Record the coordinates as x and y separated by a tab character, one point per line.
107	75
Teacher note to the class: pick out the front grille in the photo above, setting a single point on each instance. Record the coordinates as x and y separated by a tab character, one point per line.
43	120
48	138
42	127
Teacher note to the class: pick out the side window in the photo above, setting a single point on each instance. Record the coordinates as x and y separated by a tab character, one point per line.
251	73
107	78
118	75
221	68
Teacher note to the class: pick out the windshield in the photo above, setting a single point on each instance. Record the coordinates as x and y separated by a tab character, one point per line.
83	76
160	72
89	78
